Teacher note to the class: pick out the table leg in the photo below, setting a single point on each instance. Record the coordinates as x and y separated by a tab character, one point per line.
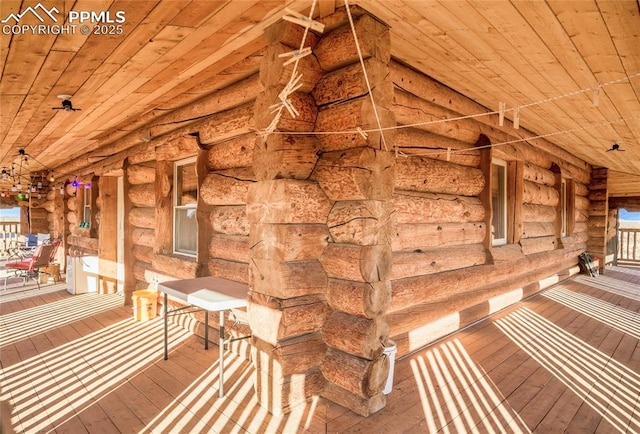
166	327
206	329
221	350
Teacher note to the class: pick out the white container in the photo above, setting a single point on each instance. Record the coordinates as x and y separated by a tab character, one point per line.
390	351
82	274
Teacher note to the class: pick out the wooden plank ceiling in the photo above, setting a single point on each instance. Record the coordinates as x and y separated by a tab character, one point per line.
545	56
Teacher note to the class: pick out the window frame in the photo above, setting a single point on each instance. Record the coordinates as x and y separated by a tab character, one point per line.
175	207
504	167
86	204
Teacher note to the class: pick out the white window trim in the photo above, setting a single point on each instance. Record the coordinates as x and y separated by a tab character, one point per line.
564	206
86	203
175	207
502	241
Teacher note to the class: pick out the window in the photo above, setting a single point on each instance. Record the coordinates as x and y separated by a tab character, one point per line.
86	206
185	188
499	202
563	205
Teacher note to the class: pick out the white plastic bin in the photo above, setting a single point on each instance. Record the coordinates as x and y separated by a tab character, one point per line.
390	351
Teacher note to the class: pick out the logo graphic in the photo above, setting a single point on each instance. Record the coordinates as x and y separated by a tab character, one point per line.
34	11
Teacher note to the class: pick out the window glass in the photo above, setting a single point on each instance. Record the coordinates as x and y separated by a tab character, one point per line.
86	216
185	200
499	202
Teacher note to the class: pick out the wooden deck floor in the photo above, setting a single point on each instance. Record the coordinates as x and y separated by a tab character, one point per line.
566	360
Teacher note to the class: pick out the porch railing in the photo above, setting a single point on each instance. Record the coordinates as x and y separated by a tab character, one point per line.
629	245
10	232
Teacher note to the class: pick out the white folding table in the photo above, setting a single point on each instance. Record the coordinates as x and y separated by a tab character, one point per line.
204	293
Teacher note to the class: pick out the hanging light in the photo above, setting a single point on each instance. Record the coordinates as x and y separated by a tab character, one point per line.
5	175
51	177
39	184
39	196
61	190
20	196
14	188
33	188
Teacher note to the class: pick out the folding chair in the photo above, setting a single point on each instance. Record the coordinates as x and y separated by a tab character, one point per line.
30	268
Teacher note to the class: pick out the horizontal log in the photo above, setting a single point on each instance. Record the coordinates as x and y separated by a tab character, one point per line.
230	220
534	173
287	279
72	217
288	357
287	201
363	339
358	404
539	151
425	115
177	149
178	267
538	213
360	376
292	242
442	286
581	216
349	116
597	195
366	222
285	156
231	270
241	92
274	72
142	217
538	194
411	236
227	187
230	247
414	141
582	203
232	153
428	261
428	175
142	195
140	271
437	208
142	253
356	174
363	299
538	229
337	48
539	244
143	237
85	243
422	324
350	82
72	203
304	105
274	320
357	263
280	396
290	35
227	124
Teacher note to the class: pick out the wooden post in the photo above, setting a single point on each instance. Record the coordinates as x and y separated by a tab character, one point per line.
599	207
108	243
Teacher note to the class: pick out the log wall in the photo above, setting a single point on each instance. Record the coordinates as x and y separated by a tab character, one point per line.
446	273
384	234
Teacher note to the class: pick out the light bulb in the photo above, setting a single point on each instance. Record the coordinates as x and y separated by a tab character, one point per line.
13	188
19	186
39	184
61	190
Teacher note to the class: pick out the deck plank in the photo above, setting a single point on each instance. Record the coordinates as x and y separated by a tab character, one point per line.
105	373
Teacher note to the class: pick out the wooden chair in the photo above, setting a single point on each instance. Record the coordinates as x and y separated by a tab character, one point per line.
30	268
